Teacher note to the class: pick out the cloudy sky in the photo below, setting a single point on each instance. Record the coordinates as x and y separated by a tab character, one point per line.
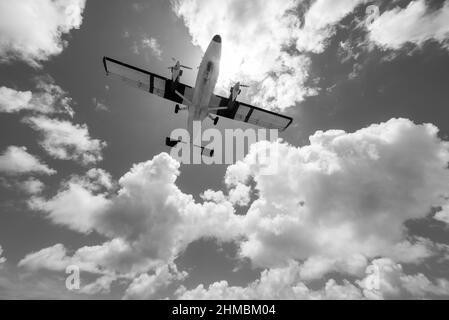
360	195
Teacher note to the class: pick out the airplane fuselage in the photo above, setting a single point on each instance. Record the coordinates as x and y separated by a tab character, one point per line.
206	80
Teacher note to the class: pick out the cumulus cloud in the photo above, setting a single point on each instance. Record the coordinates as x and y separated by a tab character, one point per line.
33	31
413	24
331	206
47	99
109	258
159	216
16	160
51	258
238	195
31	186
146	286
344	194
151	219
13	101
75	205
266	43
384	279
275	283
113	260
100	286
254	35
320	23
64	140
317	266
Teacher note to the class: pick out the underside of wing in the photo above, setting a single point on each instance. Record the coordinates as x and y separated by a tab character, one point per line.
247	113
147	81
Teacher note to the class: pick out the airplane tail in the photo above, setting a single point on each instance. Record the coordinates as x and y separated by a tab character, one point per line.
169	142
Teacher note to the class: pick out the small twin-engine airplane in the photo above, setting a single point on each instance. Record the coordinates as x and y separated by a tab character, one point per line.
200	102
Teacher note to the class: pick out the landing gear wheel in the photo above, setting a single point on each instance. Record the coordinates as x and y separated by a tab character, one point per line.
177	108
216	121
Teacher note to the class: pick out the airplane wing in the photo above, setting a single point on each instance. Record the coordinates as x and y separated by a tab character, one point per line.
147	81
247	113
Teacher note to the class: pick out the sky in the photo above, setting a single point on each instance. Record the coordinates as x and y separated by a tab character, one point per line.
357	208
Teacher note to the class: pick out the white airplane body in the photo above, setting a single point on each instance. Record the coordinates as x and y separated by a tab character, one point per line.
205	83
200	101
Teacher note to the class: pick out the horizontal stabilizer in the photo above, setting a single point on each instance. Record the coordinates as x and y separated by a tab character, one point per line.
171	142
204	151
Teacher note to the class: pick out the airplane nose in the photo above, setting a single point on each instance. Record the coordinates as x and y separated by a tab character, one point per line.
217	38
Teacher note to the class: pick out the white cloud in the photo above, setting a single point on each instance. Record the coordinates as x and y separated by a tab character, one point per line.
276	283
372	180
48	98
114	257
16	160
344	194
13	101
240	195
101	285
67	141
413	251
32	30
443	214
2	259
413	24
149	215
215	196
73	206
254	34
31	186
113	260
149	208
51	258
153	44
146	286
316	267
320	23
384	279
259	40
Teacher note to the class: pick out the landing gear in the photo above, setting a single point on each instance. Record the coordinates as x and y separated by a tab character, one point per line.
177	108
215	120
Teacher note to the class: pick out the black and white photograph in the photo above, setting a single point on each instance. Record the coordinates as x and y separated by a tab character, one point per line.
244	150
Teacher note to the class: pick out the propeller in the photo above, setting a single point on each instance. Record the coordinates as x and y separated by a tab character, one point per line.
240	85
181	65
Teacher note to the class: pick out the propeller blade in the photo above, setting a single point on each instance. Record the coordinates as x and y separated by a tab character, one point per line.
186	67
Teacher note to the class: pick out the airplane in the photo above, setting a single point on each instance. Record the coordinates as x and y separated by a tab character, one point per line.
200	102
